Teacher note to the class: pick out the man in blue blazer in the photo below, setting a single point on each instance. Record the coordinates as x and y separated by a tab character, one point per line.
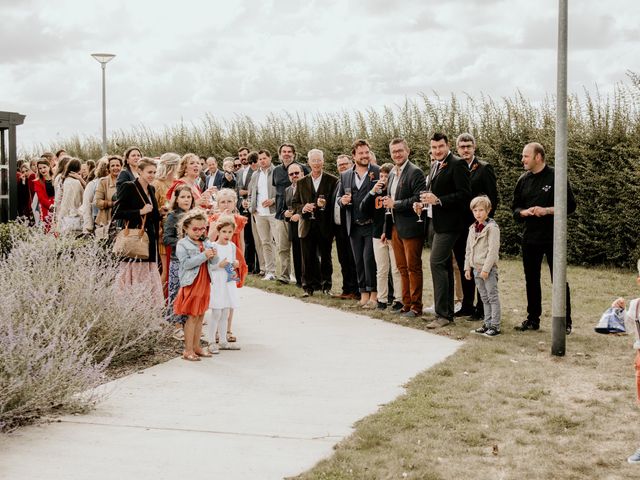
214	175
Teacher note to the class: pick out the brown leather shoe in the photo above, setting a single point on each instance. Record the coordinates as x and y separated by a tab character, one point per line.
346	296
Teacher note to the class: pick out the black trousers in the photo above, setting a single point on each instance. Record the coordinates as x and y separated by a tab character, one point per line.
347	262
532	261
297	252
468	286
316	260
361	238
442	273
250	254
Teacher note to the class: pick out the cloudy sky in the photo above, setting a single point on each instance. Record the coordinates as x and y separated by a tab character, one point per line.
182	59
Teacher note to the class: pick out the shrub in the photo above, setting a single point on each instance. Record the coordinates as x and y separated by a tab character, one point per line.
603	152
63	320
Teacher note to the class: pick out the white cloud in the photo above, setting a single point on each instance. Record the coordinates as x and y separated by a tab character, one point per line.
188	58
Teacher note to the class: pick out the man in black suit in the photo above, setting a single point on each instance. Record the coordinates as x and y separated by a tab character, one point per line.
406	181
315	231
447	200
483	182
343	245
355	185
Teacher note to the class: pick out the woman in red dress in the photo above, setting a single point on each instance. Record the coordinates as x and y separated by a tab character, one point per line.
43	188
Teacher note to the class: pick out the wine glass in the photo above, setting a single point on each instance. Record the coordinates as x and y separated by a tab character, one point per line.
422	205
244	204
347	191
387	210
313	217
321	202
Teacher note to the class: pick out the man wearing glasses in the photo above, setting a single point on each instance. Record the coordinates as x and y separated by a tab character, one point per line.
295	173
483	182
287	155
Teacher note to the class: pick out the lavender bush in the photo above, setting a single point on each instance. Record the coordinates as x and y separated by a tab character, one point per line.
63	320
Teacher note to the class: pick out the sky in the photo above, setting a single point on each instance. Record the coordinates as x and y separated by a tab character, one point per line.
180	60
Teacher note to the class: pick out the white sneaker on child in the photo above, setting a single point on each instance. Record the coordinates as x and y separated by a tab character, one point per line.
229	346
213	348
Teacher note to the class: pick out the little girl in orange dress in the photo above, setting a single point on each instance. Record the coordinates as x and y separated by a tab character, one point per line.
226	201
193	297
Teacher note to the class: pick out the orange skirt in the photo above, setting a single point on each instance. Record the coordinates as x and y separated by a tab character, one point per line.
193	300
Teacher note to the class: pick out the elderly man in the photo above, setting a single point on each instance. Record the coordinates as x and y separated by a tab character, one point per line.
447	198
343	245
406	181
483	182
315	229
214	176
262	205
355	185
533	206
287	155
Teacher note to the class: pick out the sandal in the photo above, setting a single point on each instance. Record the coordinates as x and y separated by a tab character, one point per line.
230	337
203	353
191	357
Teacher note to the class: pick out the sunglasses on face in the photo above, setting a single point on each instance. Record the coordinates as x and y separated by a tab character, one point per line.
237	165
294	174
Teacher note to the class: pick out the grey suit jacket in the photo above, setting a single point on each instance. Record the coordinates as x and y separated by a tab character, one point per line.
253	190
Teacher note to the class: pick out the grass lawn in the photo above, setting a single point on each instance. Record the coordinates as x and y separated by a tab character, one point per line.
504	408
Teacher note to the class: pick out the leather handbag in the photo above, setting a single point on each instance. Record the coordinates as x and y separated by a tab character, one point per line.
132	243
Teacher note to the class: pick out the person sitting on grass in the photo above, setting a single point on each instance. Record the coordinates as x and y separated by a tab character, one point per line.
633	314
195	273
481	263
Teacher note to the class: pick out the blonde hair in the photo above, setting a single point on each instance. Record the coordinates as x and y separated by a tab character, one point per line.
227	192
167	164
481	201
184	163
189	217
224	221
227	161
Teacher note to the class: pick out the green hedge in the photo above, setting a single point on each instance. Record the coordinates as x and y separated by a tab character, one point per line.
603	152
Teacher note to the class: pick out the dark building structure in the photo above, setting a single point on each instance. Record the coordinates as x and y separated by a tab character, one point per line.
8	165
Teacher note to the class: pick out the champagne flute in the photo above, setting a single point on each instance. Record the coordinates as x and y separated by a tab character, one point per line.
312	217
419	212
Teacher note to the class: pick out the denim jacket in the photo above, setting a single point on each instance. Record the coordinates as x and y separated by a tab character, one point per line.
190	258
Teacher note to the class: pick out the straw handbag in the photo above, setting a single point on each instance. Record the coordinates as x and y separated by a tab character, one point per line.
132	243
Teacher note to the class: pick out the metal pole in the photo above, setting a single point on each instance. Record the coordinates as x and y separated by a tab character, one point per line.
104	110
559	311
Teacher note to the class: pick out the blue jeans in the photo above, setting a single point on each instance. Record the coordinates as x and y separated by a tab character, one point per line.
489	294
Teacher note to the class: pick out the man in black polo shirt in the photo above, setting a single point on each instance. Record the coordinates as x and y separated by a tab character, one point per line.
533	206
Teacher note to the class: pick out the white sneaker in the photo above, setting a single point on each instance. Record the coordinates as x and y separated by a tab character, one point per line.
213	348
229	346
269	276
431	310
457	307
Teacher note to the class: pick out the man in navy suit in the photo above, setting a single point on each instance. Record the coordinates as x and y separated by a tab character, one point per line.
447	200
214	175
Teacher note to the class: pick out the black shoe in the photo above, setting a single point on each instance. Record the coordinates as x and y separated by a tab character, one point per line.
382	306
527	325
476	315
307	293
327	293
492	332
463	313
568	330
396	306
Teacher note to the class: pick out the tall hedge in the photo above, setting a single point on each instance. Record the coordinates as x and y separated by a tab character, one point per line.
604	152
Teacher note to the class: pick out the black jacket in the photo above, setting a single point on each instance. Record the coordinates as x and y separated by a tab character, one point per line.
451	183
410	184
130	202
348	180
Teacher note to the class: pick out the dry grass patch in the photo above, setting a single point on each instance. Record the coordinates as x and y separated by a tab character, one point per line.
504	408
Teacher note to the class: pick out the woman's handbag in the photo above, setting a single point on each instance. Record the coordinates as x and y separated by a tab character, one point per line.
132	243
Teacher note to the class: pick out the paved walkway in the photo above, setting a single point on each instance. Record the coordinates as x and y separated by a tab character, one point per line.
304	375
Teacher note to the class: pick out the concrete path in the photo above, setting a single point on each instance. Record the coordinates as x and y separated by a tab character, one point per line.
304	375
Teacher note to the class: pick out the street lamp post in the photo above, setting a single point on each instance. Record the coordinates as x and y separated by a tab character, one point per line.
104	58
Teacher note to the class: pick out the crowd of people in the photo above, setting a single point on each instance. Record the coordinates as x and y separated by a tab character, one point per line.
208	228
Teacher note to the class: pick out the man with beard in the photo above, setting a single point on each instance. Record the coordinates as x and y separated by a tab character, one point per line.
447	199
